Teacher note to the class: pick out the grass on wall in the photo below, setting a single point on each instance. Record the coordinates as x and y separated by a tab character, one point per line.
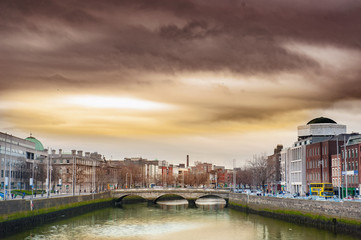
18	215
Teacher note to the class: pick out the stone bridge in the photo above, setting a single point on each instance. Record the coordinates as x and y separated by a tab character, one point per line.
152	195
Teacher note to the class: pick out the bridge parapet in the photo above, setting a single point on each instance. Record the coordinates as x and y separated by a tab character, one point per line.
153	194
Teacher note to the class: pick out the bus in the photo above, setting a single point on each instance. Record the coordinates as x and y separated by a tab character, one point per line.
321	190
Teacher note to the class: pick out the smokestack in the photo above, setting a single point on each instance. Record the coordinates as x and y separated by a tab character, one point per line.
187	161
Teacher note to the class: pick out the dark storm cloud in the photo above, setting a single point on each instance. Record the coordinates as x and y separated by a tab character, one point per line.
41	39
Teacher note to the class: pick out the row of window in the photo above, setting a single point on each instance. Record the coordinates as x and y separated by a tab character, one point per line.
350	153
316	164
316	151
335	162
336	172
351	179
350	166
316	177
82	162
14	174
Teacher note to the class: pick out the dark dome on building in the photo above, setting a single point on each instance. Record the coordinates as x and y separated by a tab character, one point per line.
321	120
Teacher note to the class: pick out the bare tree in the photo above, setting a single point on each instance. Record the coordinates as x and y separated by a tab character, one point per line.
260	171
244	176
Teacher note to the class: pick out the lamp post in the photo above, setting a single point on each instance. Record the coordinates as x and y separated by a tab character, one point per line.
234	175
126	180
5	163
345	156
338	172
10	162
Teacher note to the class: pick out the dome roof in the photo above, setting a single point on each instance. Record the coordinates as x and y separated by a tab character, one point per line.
321	120
38	145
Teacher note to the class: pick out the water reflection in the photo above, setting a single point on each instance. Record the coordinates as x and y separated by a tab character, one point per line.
210	203
139	222
173	204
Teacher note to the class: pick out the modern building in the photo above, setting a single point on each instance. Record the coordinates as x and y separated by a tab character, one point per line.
315	131
22	163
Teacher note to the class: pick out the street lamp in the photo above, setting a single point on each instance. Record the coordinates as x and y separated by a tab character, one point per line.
126	180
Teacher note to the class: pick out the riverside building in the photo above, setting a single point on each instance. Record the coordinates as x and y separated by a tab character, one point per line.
294	158
21	162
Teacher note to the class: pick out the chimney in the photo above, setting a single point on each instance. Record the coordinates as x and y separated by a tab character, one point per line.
53	152
60	151
87	154
80	153
187	161
73	152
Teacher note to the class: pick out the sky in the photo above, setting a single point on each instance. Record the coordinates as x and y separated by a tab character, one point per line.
215	80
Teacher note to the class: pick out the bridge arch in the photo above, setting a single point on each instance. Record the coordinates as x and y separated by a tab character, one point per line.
152	195
163	195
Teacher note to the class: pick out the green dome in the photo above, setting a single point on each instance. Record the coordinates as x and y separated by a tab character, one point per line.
38	145
321	120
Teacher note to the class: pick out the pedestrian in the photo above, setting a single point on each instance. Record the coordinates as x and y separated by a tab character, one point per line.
12	195
35	194
23	195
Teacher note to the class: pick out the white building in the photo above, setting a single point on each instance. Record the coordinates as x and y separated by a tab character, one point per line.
293	159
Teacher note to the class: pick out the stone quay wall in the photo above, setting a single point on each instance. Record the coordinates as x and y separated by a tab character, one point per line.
46	210
335	216
22	205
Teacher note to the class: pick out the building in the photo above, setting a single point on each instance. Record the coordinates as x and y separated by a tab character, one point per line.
336	172
22	163
274	170
320	128
319	162
294	158
350	165
75	172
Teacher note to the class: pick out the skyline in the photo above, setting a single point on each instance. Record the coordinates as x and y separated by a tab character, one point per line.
164	79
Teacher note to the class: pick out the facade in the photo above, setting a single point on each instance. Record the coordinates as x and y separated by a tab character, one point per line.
20	161
336	172
350	165
76	172
319	160
297	170
274	164
304	163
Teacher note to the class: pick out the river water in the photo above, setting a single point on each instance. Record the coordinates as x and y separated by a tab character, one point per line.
174	221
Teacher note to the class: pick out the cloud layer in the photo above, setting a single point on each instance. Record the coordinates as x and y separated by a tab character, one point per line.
224	65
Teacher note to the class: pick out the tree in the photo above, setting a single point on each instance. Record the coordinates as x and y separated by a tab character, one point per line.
260	170
244	176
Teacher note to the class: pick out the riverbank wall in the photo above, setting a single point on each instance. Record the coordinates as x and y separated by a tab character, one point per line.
339	217
19	215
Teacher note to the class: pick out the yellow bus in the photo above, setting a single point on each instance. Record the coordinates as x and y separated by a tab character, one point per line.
321	189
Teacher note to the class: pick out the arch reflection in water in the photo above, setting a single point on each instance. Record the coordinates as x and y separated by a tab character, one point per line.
211	203
173	204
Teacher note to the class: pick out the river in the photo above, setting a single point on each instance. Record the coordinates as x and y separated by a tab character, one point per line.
173	221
